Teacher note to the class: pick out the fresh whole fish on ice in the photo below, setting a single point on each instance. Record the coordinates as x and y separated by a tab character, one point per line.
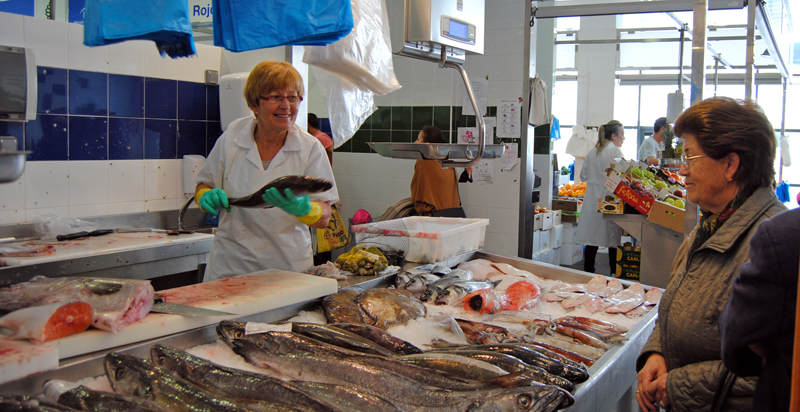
534	358
130	375
381	337
341	307
418	283
233	382
441	270
480	268
568	344
116	302
345	397
24	403
340	337
455	293
384	307
466	367
574	356
459	273
300	185
293	358
48	322
85	399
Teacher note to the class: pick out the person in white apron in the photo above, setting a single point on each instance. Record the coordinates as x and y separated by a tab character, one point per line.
593	231
252	152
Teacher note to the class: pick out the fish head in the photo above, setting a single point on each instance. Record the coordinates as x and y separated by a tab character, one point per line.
170	358
402	280
230	330
130	375
429	294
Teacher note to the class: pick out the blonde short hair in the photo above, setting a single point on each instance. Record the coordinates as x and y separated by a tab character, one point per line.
269	76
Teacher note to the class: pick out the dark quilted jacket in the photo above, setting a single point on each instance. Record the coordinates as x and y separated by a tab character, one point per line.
686	332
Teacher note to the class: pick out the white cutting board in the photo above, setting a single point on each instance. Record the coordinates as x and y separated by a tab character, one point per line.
101	245
19	359
243	295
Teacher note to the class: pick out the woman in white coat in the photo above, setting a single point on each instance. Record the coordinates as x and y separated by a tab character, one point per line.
593	231
252	152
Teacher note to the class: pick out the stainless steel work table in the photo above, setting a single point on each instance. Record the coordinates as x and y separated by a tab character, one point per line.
609	383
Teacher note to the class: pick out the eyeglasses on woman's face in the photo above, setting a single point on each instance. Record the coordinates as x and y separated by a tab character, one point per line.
275	98
688	161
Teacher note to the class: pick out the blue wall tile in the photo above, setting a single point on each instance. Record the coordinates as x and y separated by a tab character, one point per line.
125	139
191	101
47	138
213	132
15	129
125	96
212	103
191	138
88	93
160	139
160	98
52	90
88	138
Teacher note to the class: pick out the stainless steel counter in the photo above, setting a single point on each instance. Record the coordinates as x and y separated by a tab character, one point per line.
609	383
147	263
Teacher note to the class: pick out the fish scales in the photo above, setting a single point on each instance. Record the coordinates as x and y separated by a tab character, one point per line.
300	185
340	337
341	307
24	403
233	382
381	337
85	399
134	376
386	307
406	393
532	357
466	367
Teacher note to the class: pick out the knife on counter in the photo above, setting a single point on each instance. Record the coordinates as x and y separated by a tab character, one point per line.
162	306
78	235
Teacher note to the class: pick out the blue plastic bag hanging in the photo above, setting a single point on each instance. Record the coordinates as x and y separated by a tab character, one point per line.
166	22
240	26
782	191
555	129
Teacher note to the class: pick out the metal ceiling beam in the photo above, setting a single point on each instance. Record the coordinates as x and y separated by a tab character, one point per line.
765	28
605	9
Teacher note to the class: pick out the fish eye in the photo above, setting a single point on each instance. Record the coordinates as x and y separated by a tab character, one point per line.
238	334
119	374
161	359
524	401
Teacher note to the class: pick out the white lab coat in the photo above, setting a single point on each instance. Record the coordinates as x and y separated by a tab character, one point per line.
648	148
253	239
592	229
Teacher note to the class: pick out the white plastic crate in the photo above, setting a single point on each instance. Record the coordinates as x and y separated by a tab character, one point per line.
430	239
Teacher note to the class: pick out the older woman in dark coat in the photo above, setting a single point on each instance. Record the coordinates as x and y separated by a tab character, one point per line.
729	151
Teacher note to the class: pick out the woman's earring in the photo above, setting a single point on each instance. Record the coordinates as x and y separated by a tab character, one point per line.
730	179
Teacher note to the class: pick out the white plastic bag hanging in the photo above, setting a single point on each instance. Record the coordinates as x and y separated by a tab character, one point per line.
365	55
348	105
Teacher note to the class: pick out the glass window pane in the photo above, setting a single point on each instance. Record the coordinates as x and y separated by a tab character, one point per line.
626	105
791	174
633	55
568	23
565	97
565	56
770	98
792	100
629	146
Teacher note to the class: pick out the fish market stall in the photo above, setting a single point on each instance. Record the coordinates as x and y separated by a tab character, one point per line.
610	377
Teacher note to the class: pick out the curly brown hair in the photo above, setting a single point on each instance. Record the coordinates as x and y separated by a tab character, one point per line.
723	125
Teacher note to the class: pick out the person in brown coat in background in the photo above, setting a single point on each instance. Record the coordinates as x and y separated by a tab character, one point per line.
434	190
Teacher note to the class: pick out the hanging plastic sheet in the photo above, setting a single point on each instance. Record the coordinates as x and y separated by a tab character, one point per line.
555	129
786	156
365	55
349	106
538	113
242	25
166	22
782	191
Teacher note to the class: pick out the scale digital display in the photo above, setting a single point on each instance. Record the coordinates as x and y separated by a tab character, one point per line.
458	30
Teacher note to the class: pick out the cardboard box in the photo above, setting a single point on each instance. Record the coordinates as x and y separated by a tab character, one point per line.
570	232
671	217
547	220
556	236
537	221
613	207
629	255
571	254
556	217
545	240
545	256
627	272
537	257
641	204
537	236
565	205
570	217
555	256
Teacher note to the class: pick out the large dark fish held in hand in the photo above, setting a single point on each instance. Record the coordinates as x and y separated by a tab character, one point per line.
300	185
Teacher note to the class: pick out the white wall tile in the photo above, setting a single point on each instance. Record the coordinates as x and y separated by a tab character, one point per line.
159	205
157	66
12	30
126	207
88	183
12	194
504	41
160	178
49	39
77	212
81	57
191	69
126	181
46	184
31	215
9	217
127	57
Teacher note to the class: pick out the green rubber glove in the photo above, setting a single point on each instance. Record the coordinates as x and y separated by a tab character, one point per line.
212	200
294	205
